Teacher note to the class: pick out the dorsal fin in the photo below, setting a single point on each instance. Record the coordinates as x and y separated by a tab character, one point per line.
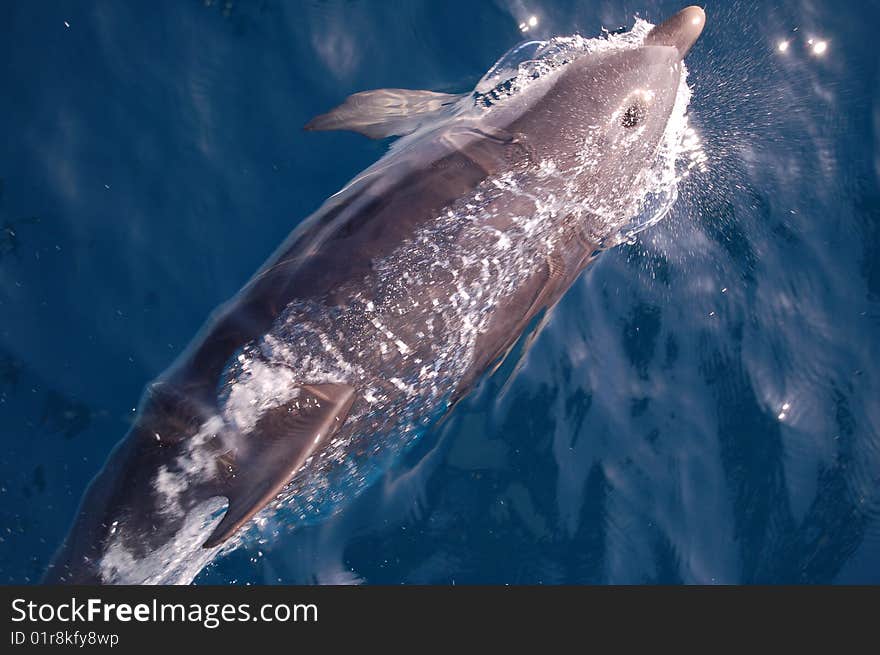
284	437
384	112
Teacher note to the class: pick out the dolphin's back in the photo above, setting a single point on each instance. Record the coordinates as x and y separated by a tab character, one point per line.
331	254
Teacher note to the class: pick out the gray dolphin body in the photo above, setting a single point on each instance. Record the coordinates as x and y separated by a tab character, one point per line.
383	308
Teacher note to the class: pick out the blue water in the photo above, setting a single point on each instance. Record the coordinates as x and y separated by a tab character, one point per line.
701	407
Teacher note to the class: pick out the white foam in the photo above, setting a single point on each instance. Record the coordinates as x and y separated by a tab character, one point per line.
257	387
176	562
195	464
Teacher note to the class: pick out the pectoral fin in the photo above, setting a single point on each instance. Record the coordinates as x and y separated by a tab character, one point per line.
284	437
384	112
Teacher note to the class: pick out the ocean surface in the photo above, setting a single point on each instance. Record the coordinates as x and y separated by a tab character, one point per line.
702	406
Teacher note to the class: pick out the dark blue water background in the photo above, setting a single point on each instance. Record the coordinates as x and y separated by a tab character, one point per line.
701	407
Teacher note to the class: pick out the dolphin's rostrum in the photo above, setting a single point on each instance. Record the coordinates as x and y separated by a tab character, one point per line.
387	305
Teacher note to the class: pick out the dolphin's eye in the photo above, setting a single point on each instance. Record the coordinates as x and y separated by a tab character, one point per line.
634	114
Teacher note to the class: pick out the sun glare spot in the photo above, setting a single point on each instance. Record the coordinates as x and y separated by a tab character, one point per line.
784	413
526	25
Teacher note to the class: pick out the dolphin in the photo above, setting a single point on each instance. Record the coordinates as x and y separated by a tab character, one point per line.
384	307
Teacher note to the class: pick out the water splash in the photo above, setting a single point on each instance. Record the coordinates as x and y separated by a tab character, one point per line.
528	61
680	151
